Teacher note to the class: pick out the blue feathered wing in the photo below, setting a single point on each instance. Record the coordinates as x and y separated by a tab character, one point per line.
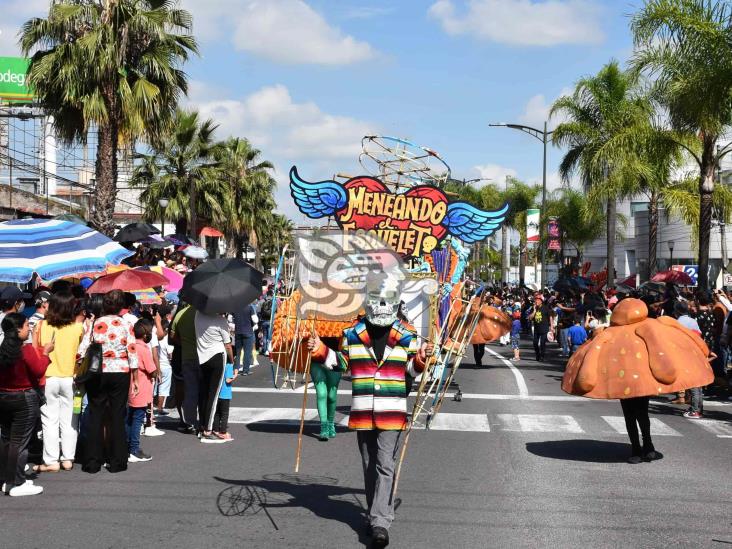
319	199
471	224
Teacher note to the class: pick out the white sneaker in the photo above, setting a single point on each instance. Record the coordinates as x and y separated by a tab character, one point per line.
153	432
25	489
3	489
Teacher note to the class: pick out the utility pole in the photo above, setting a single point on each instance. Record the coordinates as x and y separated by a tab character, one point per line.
542	136
722	224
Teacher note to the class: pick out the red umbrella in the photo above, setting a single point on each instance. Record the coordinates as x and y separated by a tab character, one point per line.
675	277
127	281
629	282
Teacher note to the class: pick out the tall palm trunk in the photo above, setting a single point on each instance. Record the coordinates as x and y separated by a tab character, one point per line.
254	241
652	233
106	171
611	228
706	188
194	214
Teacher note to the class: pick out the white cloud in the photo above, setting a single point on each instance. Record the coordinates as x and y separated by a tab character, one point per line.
285	31
495	173
537	110
272	120
523	22
287	132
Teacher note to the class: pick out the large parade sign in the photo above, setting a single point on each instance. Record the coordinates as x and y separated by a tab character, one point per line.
413	223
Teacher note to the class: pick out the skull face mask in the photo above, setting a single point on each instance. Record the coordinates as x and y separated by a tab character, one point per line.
382	299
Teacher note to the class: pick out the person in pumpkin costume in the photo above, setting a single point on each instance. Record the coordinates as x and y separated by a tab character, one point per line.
380	350
635	358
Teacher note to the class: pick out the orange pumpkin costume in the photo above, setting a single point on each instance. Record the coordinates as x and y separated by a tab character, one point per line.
638	356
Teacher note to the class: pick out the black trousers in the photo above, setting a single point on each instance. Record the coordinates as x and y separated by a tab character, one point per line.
107	392
221	417
212	376
635	412
19	411
539	345
478	352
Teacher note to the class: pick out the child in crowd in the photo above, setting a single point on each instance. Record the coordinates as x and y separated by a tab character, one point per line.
165	352
141	390
221	417
577	334
516	335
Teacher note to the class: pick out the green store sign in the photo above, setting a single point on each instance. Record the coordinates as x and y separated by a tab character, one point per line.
13	85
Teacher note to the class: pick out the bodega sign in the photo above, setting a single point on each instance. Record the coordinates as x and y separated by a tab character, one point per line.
13	85
413	223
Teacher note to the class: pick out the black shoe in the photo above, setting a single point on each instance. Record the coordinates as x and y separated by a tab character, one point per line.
634	460
187	429
379	537
652	456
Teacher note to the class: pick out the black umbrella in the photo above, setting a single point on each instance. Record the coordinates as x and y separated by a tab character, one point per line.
135	231
222	286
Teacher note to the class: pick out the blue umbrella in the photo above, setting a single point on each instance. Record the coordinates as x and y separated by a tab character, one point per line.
54	249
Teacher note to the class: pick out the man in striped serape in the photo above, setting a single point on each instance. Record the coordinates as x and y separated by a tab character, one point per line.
380	350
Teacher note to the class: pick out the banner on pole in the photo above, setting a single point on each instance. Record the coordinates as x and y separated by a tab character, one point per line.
532	226
553	234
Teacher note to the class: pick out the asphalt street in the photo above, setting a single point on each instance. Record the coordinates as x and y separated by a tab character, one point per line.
515	463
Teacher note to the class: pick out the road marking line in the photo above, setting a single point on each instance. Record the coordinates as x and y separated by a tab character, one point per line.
520	381
658	427
461	422
722	429
539	423
476	396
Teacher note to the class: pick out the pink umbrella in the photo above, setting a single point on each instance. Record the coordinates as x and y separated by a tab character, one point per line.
175	279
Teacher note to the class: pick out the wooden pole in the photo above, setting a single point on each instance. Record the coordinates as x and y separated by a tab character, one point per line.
298	454
422	384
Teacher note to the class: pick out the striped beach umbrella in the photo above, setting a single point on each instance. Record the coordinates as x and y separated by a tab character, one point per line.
54	249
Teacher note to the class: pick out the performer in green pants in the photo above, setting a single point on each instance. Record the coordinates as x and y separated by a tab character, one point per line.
326	390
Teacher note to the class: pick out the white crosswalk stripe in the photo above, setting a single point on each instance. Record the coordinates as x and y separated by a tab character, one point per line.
539	423
658	427
722	429
486	423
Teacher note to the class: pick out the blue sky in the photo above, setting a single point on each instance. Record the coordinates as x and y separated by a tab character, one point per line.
305	79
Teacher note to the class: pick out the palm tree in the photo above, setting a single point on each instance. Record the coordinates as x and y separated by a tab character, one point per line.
250	200
662	158
181	168
684	46
681	200
604	119
276	234
113	65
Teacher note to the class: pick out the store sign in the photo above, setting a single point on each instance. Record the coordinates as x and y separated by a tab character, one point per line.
727	280
413	223
532	226
13	83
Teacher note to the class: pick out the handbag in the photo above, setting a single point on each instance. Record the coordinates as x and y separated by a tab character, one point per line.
91	364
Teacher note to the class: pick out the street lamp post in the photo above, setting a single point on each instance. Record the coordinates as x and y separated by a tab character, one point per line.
543	136
163	202
671	252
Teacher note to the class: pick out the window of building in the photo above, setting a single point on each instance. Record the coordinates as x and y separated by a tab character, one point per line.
636	207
